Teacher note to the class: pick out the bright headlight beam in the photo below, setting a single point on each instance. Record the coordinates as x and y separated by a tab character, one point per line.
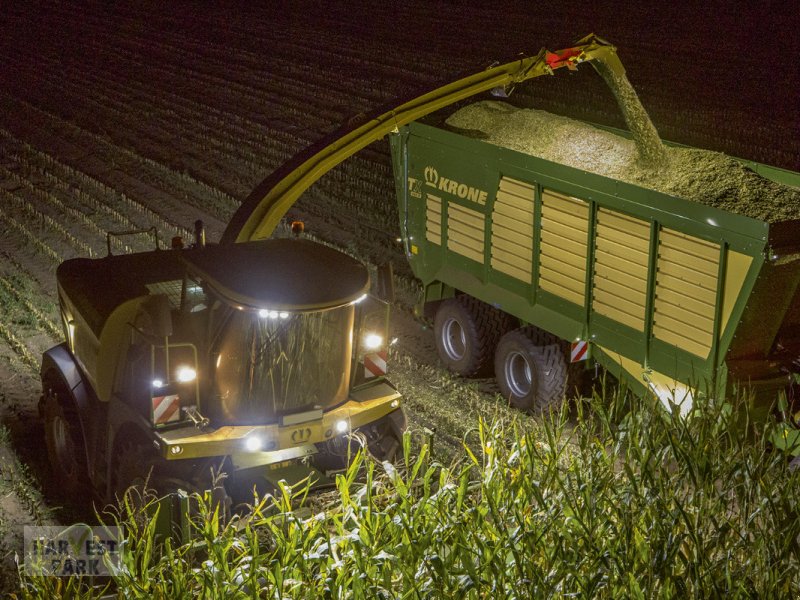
372	341
341	426
186	374
253	443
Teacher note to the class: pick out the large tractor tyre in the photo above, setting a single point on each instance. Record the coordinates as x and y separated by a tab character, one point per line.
383	439
531	370
66	449
467	332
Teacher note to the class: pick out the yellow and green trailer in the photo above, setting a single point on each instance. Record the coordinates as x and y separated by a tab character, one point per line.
674	296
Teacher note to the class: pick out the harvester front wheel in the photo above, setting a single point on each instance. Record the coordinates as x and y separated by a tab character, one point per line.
65	447
142	475
467	331
531	369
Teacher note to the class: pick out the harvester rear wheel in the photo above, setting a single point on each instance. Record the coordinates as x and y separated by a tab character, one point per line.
531	369
466	332
65	446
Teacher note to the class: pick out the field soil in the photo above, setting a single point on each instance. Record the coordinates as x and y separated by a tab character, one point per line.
139	114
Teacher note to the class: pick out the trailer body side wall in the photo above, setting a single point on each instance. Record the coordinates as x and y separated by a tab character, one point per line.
657	284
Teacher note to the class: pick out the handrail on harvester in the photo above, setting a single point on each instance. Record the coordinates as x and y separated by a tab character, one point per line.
261	212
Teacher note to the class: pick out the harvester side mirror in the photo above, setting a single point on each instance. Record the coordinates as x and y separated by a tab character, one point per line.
158	310
385	282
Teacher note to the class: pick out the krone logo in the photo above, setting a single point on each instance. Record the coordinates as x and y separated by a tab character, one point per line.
301	435
456	188
431	176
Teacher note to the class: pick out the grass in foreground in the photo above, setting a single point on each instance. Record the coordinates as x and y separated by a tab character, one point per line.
627	503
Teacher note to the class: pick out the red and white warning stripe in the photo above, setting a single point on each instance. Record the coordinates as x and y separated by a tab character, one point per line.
375	364
578	351
166	409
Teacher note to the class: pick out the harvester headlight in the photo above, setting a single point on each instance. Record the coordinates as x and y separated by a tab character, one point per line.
268	314
158	383
185	374
253	443
341	426
373	341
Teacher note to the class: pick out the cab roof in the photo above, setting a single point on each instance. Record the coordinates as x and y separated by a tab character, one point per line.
279	274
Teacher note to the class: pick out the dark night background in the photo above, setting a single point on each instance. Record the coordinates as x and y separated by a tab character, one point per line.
163	112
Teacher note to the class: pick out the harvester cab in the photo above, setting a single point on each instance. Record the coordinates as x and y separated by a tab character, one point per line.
238	359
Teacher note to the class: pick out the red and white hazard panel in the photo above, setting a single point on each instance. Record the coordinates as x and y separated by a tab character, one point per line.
375	364
578	351
166	409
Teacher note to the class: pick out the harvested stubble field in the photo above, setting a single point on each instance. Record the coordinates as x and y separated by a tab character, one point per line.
137	115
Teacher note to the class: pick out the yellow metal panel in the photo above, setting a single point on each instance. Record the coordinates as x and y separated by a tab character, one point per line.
623	230
516	187
685	301
690	261
622	248
558	280
514	269
627	304
511	238
678	272
465	249
698	321
630	249
560	231
622	265
680	334
612	292
686	292
525	215
564	239
503	222
574	273
563	255
457	230
469	217
551	214
433	225
616	313
562	292
465	231
736	269
553	249
519	260
677	277
603	271
690	244
565	204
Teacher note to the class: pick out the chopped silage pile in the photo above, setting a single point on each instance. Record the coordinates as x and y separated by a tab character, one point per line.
702	176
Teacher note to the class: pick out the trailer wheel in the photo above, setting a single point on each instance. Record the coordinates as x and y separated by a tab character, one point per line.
467	331
531	369
65	446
